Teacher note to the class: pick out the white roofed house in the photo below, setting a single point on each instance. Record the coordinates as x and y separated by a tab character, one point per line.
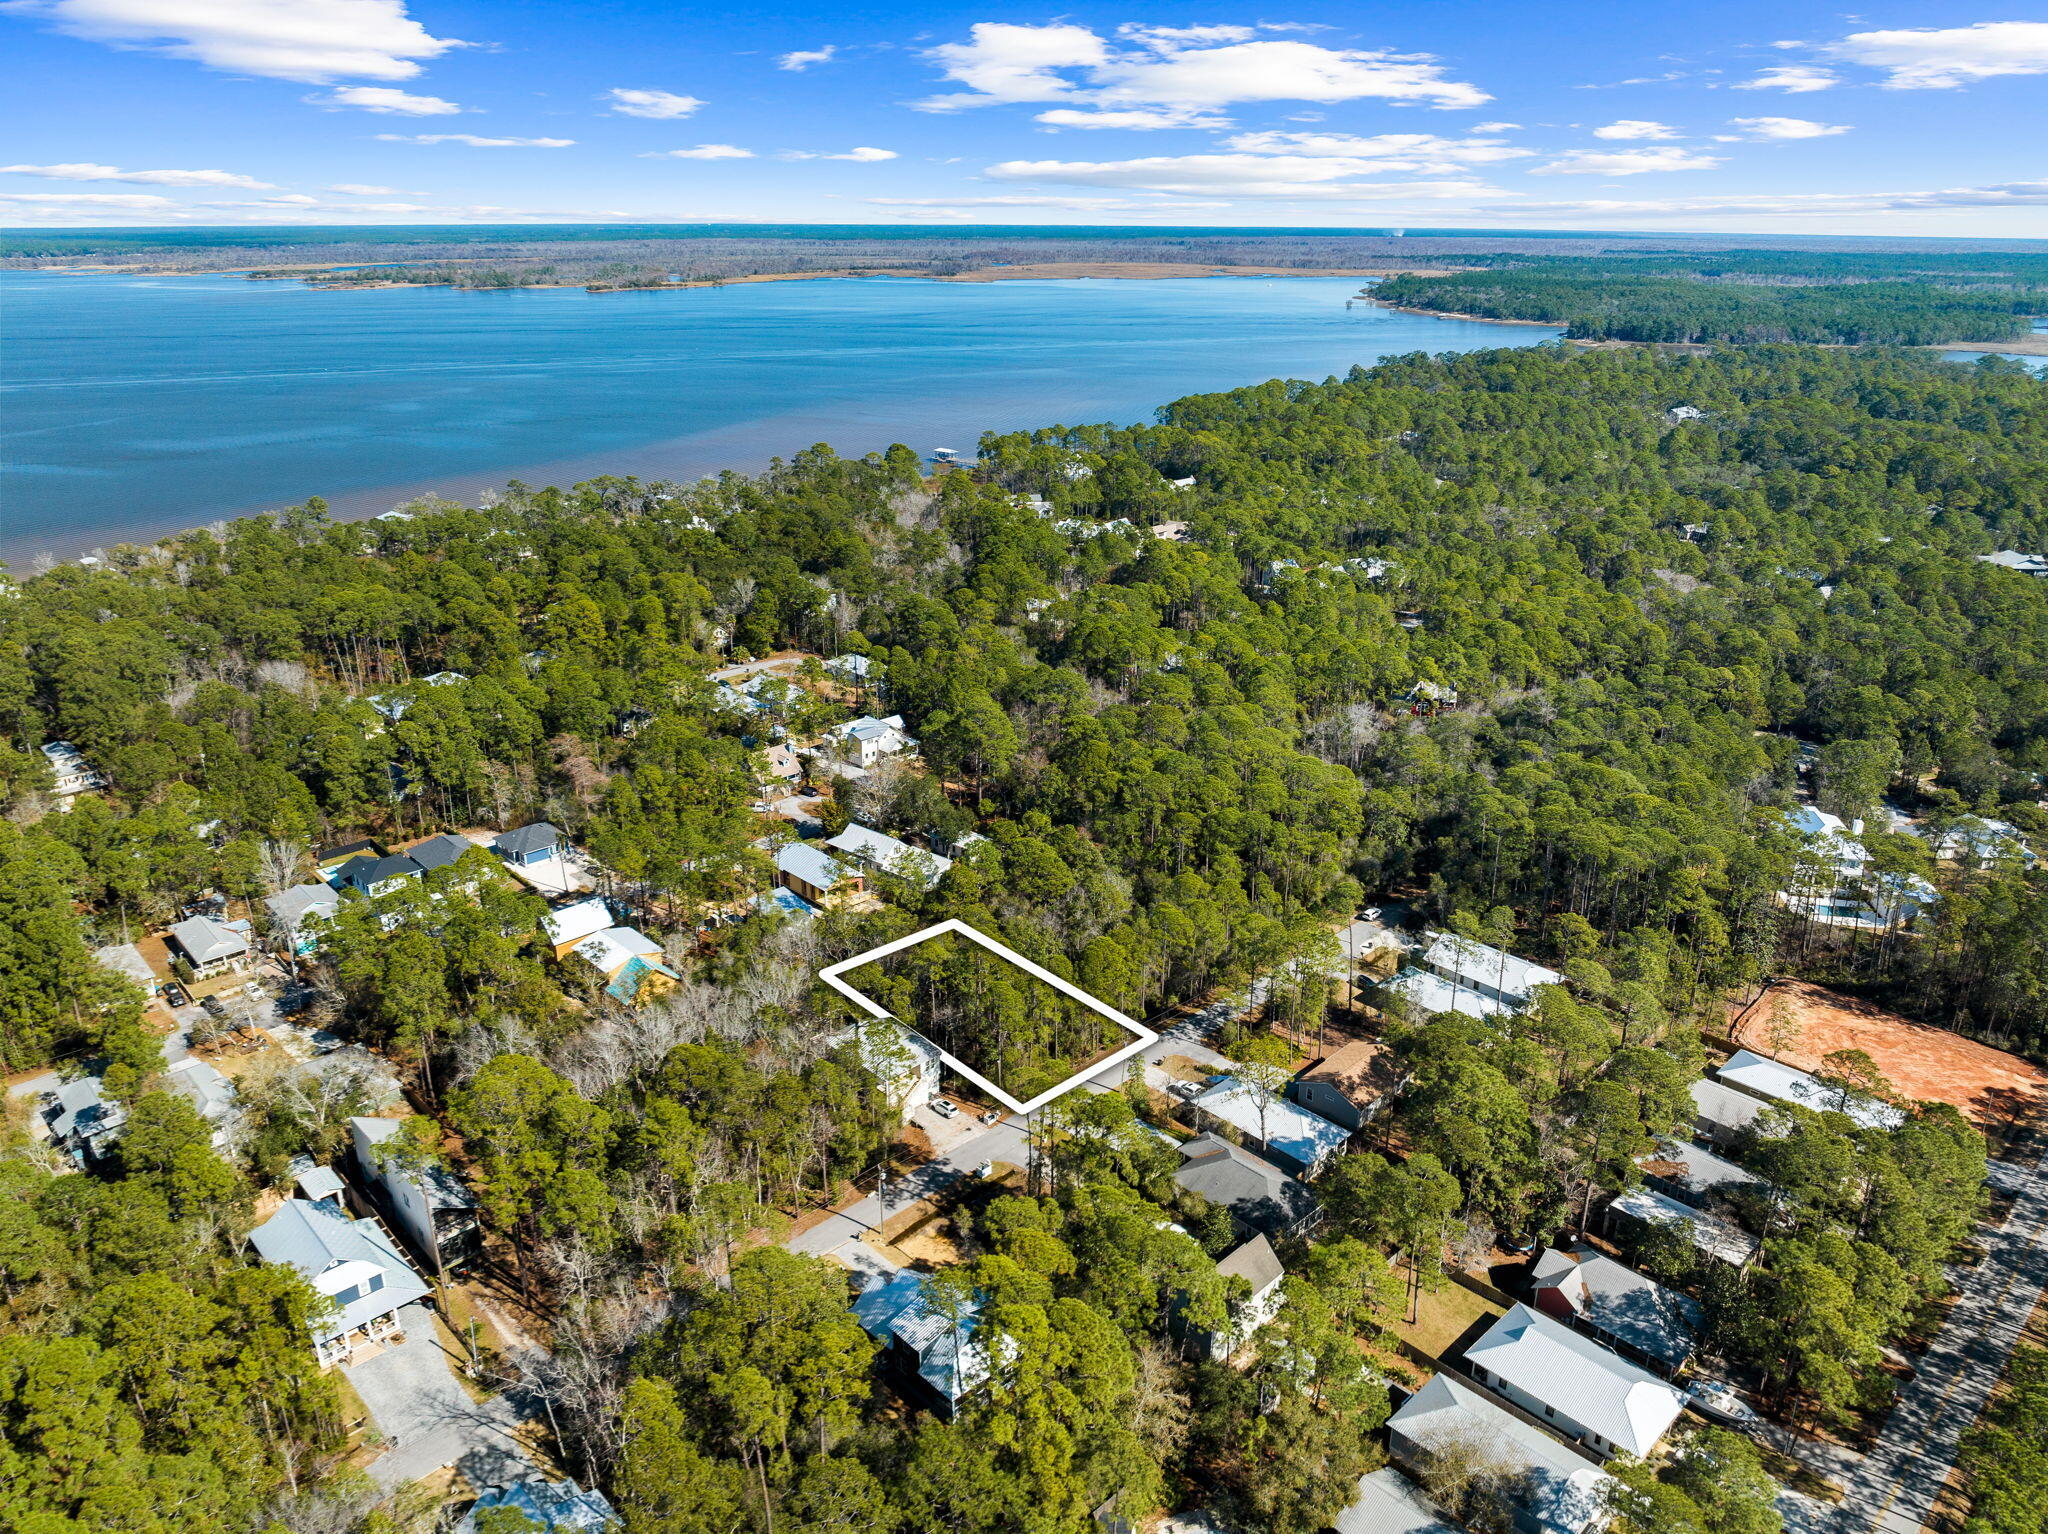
867	741
885	854
632	963
1586	1392
1834	883
210	1093
431	1207
923	1339
72	775
209	946
295	914
568	925
1456	974
1555	1488
813	875
1286	1134
1774	1081
352	1262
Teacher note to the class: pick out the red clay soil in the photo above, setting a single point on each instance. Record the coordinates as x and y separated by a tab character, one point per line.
1925	1064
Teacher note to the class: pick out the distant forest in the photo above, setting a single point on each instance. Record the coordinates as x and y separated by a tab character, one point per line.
1843	298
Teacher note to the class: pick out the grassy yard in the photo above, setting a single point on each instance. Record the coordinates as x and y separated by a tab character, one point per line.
1442	1317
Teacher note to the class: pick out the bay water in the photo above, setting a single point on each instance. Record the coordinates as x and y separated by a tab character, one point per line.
134	406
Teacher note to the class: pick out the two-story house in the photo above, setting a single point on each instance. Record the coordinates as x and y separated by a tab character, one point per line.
1586	1392
354	1263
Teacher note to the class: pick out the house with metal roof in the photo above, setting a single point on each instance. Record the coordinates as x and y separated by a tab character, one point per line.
1557	1490
527	845
868	741
850	667
1634	1315
568	925
1262	1199
1387	1502
1298	1140
1590	1393
922	1341
1722	1115
631	962
81	1120
1351	1085
1719	1238
127	961
813	874
431	1207
294	912
353	1262
1258	1265
1774	1081
209	946
210	1093
555	1507
1693	1174
885	854
1456	974
71	775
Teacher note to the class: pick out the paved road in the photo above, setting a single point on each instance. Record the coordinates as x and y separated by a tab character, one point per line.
1894	1490
426	1416
1004	1140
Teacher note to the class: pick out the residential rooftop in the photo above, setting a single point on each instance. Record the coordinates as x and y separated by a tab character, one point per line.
1596	1388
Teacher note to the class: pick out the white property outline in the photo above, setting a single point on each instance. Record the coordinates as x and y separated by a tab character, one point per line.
830	975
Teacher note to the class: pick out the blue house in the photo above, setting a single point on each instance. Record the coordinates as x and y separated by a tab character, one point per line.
528	845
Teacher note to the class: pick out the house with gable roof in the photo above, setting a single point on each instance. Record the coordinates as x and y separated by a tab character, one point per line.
867	741
1588	1393
1456	974
1636	1316
354	1263
930	1350
1556	1489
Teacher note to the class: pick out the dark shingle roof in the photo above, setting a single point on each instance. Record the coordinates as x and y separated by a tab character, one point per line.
521	840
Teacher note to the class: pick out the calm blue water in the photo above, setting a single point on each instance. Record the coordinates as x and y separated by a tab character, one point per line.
132	407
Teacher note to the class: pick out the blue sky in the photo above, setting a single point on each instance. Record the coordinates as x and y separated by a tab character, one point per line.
1781	118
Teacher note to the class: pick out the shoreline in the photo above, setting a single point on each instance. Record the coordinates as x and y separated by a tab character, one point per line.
1039	271
2035	345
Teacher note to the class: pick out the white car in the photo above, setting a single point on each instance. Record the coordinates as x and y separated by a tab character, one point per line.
944	1109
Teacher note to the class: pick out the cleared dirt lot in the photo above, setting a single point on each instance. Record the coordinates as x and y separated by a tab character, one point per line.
1926	1064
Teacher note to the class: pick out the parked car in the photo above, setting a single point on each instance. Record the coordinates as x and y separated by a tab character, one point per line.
213	1006
177	996
944	1109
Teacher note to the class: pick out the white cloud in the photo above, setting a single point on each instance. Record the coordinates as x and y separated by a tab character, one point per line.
1280	71
1408	153
1179	67
1006	62
1495	127
385	98
863	155
89	172
1635	128
475	142
1787	127
2014	194
1941	58
701	152
1137	119
1625	162
804	58
1028	200
1792	79
311	40
1166	39
359	189
36	201
661	104
1237	175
